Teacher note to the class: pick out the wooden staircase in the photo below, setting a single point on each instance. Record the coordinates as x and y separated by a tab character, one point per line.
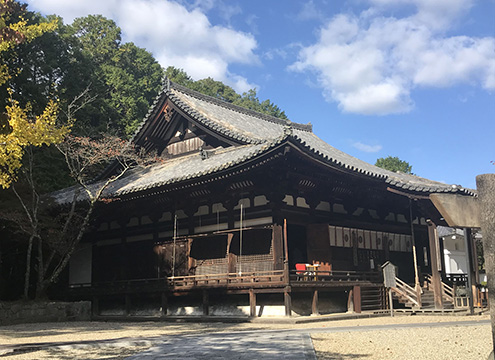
373	298
424	298
406	294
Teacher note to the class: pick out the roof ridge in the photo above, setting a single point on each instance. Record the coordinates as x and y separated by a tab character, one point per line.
269	118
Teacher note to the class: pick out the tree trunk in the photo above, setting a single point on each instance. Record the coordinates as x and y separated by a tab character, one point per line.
43	285
28	267
486	191
40	292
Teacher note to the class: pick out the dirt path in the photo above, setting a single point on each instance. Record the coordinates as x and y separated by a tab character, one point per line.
117	340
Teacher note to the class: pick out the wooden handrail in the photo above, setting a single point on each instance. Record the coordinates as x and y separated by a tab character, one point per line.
447	291
332	275
403	294
403	289
245	278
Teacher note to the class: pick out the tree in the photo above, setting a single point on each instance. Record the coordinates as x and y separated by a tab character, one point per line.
250	100
85	159
125	78
14	30
57	229
20	128
394	164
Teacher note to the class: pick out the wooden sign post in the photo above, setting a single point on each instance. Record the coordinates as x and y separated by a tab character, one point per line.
389	274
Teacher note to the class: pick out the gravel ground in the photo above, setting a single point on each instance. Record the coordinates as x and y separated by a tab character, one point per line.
446	343
119	340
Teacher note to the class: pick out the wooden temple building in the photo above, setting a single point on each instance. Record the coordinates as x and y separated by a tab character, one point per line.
256	213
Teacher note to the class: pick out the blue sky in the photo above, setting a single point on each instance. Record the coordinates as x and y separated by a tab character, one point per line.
407	78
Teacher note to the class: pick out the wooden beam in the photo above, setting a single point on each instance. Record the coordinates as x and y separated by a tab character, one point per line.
458	210
409	195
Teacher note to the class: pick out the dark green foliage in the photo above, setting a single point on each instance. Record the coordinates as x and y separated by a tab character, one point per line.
224	92
394	164
250	100
123	78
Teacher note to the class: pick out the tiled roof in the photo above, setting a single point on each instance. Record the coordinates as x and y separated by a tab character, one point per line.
403	181
256	133
178	169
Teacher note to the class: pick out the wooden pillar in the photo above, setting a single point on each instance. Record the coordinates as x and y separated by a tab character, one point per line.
476	274
287	301
350	301
469	262
229	204
386	247
356	298
314	304
191	262
190	211
436	264
231	258
252	303
278	247
124	252
164	304
127	304
486	191
354	242
95	306
206	303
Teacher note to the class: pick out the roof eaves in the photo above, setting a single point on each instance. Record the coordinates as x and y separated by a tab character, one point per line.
335	161
266	147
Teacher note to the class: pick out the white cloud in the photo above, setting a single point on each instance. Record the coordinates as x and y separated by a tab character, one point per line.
367	148
370	64
176	35
309	12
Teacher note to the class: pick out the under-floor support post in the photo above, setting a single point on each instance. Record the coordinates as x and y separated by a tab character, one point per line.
287	301
436	264
314	304
252	303
164	304
206	303
95	306
356	298
127	304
